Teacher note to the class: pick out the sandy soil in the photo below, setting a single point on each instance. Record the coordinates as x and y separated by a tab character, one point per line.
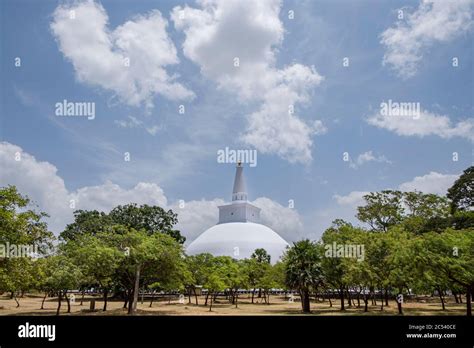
30	305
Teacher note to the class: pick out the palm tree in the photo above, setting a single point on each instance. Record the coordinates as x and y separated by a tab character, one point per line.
303	269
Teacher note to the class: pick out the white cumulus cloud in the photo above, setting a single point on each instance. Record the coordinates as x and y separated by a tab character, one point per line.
426	124
355	198
434	21
366	157
287	222
42	184
131	60
432	182
194	217
217	39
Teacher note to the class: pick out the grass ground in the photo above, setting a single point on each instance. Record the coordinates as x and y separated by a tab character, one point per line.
30	305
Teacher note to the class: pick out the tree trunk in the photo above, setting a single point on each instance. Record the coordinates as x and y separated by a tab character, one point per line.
195	296
341	295
59	302
366	303
82	298
133	306
105	300
44	299
130	301
381	298
305	301
400	311
127	296
399	304
210	307
441	297
253	294
468	302
152	298
16	300
456	297
330	302
207	297
68	302
386	297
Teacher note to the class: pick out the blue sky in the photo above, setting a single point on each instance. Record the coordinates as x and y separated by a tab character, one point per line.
176	156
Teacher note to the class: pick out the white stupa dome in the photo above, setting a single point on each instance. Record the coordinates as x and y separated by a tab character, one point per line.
238	233
238	240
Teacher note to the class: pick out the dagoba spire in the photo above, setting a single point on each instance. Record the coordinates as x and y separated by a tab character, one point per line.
239	210
239	193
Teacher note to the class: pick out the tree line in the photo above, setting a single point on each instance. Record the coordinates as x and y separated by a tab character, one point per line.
408	243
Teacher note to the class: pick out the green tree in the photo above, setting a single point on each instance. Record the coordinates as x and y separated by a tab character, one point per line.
303	270
217	277
451	254
40	271
232	274
261	256
262	259
62	275
97	258
377	256
89	222
401	260
271	279
17	277
21	228
381	210
334	266
422	209
21	225
199	267
461	193
214	284
151	219
253	272
357	271
149	259
428	279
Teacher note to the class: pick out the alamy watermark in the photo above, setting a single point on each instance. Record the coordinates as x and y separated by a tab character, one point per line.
335	250
8	250
237	156
37	331
84	109
409	109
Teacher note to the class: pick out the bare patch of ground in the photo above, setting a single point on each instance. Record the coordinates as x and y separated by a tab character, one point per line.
30	305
